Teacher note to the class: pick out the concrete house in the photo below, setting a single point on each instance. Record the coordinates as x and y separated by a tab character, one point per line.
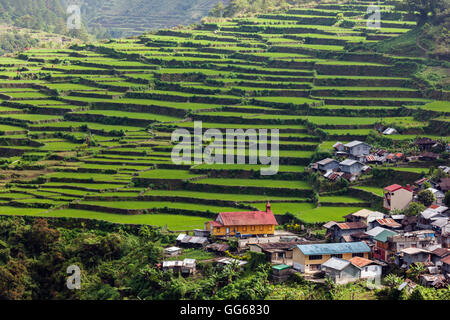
369	269
327	164
357	149
431	214
438	254
446	266
396	197
308	258
340	271
438	195
382	250
352	167
409	256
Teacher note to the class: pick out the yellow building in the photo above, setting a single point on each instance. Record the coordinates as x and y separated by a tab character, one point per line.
309	257
244	222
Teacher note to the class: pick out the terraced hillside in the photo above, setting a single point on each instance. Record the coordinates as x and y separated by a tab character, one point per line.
86	132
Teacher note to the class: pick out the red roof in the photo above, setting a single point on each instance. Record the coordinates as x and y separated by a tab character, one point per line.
446	260
361	262
216	224
352	225
246	218
394	187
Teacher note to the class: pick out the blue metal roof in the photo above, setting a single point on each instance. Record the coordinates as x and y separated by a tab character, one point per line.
333	248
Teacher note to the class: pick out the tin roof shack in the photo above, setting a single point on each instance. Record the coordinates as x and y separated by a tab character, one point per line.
218	248
438	254
428	156
364	215
437	281
425	144
186	241
308	257
281	272
275	252
387	223
396	197
369	269
341	232
172	251
340	271
438	195
185	267
357	150
431	214
226	261
408	256
327	164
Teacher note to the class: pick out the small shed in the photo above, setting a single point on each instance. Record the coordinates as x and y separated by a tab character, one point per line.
281	272
173	251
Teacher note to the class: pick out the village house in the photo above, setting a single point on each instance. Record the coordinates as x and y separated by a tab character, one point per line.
369	269
185	267
438	254
425	144
351	167
389	131
396	197
327	165
275	252
446	266
243	223
438	195
340	271
389	244
364	215
444	236
381	249
408	256
341	232
187	241
308	257
173	251
339	146
428	156
357	150
430	215
281	272
444	185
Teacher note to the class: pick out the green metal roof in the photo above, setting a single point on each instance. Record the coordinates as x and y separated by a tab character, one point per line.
281	267
383	235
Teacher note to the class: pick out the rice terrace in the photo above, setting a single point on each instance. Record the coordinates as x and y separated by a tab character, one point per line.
85	130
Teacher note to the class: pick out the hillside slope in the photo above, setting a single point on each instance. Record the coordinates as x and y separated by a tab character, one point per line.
103	19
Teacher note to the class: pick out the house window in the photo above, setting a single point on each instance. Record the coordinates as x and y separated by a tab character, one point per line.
261	228
338	255
244	228
217	229
314	267
366	269
359	254
252	228
315	257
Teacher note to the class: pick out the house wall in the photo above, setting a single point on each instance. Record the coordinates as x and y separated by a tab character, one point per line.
349	274
371	272
420	257
360	150
399	199
329	166
305	264
251	229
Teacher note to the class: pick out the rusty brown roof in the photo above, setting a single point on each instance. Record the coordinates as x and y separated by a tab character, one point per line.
351	225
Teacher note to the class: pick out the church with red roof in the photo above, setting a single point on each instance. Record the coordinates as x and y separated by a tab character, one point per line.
243	222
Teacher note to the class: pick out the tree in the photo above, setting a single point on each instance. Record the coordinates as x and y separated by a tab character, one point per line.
218	10
426	9
426	197
414	209
447	199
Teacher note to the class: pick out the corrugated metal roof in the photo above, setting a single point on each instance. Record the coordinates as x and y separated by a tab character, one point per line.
246	218
383	235
389	222
336	263
333	248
